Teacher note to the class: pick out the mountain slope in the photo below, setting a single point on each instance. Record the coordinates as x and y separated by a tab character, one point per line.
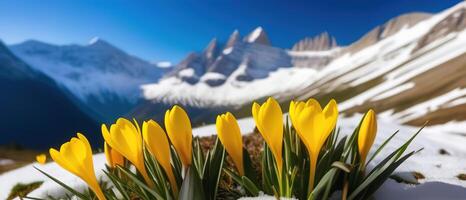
413	76
35	112
102	76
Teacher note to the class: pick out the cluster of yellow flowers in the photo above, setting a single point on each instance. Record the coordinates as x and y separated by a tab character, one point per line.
312	123
125	140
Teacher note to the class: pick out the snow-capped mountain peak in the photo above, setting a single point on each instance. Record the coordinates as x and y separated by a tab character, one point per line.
233	39
258	36
93	40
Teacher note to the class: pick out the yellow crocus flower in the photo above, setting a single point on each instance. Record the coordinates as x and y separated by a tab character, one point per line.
179	131
113	157
230	135
125	138
269	120
157	144
41	158
313	126
76	157
366	136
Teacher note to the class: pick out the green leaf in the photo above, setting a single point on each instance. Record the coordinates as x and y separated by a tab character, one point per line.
177	166
342	166
377	179
233	175
382	146
387	165
250	186
213	169
248	167
198	156
139	183
192	189
78	194
117	182
321	185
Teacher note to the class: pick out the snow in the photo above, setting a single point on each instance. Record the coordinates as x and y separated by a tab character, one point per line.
232	92
456	102
213	76
411	69
440	170
164	64
394	91
454	127
93	40
186	72
429	105
227	50
330	52
255	34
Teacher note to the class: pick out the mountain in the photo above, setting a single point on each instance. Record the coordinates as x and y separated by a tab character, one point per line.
231	67
321	42
412	76
225	76
258	36
100	75
411	69
35	112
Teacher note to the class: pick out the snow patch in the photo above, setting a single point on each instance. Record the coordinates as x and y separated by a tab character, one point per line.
213	76
394	91
227	50
164	64
93	40
430	105
186	72
255	34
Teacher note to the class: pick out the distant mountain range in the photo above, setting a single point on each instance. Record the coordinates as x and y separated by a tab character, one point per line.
410	69
103	77
35	112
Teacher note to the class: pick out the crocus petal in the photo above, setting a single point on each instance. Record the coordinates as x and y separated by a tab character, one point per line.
76	157
229	134
313	126
157	144
269	121
367	133
125	138
41	158
179	131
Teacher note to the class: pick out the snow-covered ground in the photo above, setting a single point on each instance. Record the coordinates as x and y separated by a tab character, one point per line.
440	170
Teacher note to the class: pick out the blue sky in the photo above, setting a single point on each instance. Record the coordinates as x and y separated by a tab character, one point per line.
161	30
